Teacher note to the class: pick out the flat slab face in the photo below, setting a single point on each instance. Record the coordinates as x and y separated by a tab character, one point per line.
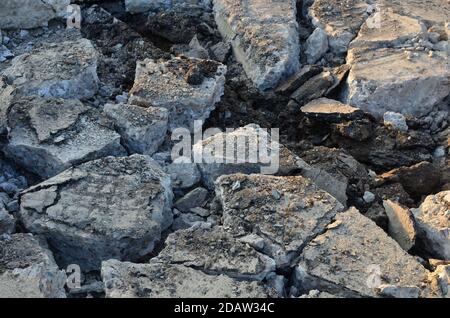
188	88
325	106
347	256
285	211
395	64
28	270
264	36
63	70
49	135
159	280
216	251
108	208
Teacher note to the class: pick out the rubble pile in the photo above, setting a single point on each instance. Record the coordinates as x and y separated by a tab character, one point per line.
224	148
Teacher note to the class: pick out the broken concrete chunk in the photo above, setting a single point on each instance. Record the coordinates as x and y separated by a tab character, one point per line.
215	251
298	79
264	37
285	211
143	129
107	208
401	224
183	174
316	45
61	70
47	136
193	199
28	14
156	280
354	257
329	110
433	224
224	153
414	77
187	88
340	20
28	270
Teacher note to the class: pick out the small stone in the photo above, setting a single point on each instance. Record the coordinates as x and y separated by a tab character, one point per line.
369	197
395	120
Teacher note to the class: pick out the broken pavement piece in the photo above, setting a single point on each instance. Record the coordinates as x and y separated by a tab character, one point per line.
143	129
433	224
285	211
329	110
355	258
28	270
166	85
47	136
156	280
215	251
62	70
263	154
264	37
413	78
107	208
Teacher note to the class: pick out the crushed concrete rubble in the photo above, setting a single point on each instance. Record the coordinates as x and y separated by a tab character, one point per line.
225	148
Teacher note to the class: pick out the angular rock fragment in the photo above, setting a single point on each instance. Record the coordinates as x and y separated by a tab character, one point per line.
156	280
411	80
27	14
401	224
47	136
193	199
320	85
264	37
328	110
215	251
286	212
28	270
298	79
340	20
61	70
183	174
354	257
419	179
107	208
251	149
187	88
143	129
317	45
433	224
